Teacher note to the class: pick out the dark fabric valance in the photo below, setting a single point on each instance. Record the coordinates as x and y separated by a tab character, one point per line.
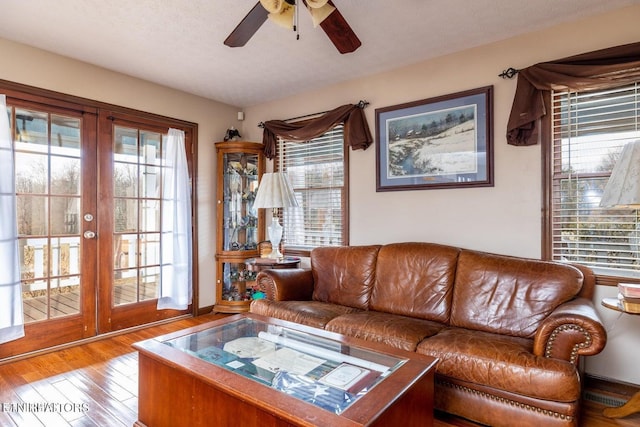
596	70
356	130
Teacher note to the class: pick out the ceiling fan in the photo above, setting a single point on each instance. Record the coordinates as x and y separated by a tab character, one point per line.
323	13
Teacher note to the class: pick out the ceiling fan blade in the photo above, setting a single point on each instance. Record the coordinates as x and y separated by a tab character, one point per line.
247	27
339	32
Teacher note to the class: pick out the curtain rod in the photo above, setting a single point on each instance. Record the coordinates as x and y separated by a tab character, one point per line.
360	104
509	73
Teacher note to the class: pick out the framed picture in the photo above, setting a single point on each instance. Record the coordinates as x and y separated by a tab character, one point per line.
442	142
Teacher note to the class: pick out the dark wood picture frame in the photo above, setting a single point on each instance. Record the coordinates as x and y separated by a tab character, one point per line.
441	142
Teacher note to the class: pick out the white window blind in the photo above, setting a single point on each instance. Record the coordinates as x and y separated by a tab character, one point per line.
316	169
589	131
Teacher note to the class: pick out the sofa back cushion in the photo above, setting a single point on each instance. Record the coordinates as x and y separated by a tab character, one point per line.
415	279
509	295
344	275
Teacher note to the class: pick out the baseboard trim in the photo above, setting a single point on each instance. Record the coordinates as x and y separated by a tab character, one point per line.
608	388
204	310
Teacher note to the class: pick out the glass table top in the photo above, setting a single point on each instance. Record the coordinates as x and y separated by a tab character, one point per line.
327	373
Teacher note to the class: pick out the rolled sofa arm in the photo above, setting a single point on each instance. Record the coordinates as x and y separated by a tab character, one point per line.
571	330
295	284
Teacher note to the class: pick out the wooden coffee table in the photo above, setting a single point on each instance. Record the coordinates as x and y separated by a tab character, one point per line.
251	370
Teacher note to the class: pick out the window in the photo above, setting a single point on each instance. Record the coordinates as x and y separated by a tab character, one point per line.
589	130
318	171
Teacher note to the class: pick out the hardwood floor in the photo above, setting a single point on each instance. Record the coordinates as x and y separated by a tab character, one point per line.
96	384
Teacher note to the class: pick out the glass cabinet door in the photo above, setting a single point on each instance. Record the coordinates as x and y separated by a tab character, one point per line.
237	282
240	218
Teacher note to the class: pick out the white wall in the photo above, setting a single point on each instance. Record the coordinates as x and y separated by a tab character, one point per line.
26	65
505	218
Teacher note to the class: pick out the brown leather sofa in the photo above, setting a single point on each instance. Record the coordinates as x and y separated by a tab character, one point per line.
508	332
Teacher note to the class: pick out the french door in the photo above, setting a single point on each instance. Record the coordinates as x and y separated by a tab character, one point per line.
88	184
130	154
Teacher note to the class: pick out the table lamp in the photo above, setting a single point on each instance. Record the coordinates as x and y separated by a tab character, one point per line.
275	192
623	191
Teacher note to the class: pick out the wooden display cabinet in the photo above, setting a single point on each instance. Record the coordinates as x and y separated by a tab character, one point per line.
240	226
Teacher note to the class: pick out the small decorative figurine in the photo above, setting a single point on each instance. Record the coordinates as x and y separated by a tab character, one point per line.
232	134
259	295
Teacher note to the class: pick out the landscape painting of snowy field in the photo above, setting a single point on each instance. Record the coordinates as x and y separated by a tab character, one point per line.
441	142
437	143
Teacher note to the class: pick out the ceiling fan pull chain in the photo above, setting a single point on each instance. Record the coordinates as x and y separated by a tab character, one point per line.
295	20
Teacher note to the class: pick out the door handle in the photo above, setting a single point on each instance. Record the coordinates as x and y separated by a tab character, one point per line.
89	234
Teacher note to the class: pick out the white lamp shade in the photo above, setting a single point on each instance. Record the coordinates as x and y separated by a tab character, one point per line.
284	17
623	188
275	191
272	6
316	4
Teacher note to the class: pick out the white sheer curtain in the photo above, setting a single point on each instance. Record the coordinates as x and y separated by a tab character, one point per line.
176	289
11	316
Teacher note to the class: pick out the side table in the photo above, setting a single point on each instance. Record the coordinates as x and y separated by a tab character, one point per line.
259	264
633	404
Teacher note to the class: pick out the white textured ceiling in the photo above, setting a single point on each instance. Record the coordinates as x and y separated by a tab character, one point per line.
179	43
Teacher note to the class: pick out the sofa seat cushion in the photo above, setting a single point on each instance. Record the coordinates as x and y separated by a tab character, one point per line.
502	362
398	331
310	313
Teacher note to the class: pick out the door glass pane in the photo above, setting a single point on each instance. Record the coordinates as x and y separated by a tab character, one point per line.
65	296
125	286
65	257
65	135
125	215
65	175
150	182
149	282
65	215
150	249
32	173
32	259
35	303
32	215
150	215
125	179
125	251
125	145
151	147
32	130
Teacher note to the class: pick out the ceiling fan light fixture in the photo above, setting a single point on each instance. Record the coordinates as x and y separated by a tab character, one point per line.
320	14
285	17
324	14
316	4
273	6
